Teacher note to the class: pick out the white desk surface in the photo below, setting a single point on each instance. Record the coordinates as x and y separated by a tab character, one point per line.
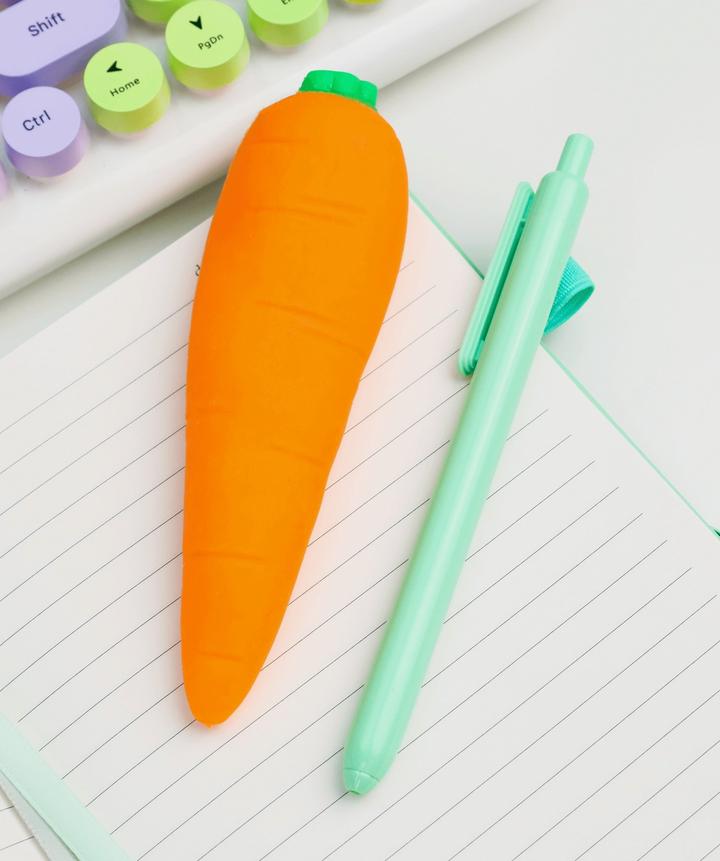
642	78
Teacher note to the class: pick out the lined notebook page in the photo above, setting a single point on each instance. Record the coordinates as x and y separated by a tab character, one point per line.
572	708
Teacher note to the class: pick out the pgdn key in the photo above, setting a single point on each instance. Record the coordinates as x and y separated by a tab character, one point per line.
43	42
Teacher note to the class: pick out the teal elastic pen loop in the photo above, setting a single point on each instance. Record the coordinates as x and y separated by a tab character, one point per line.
574	291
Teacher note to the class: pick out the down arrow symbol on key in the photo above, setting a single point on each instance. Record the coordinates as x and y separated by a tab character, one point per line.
197	23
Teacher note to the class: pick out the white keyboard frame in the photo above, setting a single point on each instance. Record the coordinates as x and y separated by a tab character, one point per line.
122	181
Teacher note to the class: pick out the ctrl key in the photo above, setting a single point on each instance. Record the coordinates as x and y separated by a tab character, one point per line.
44	132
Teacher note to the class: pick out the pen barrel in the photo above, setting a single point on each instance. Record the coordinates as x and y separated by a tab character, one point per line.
492	399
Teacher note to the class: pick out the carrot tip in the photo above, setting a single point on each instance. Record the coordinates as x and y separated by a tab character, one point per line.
215	687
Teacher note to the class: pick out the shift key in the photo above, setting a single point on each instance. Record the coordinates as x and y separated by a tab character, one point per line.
43	42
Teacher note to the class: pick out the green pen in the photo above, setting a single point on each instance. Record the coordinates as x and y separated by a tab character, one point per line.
499	346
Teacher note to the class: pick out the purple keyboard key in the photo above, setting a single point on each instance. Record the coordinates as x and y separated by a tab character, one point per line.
42	42
44	132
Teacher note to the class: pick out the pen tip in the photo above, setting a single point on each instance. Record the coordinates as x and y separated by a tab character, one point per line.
358	782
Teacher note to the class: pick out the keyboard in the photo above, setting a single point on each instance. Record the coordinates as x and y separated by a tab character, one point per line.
110	112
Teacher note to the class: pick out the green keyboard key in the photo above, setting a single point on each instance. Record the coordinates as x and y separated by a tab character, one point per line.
126	88
206	45
286	23
157	11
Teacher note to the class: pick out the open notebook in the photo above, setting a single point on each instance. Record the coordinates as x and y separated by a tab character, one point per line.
572	708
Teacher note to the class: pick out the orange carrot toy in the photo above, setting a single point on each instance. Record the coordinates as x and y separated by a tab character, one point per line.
298	270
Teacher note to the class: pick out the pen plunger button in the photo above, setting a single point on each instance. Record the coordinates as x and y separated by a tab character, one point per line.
576	155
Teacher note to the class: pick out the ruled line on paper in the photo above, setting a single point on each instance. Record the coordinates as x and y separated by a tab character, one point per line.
95	367
467	846
412	302
357	553
537	504
532	601
134	720
530	556
109	694
175	557
93	531
92	490
390	441
141	761
567	667
382	490
92	449
17	843
85	579
257	813
663	787
557	534
714	849
83	497
180	388
74	545
677	827
92	409
430	412
402	350
53	559
336	613
304	825
569	571
97	658
530	465
404	389
13	832
90	619
532	421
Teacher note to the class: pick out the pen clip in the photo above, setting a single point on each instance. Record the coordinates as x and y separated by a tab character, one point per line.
495	279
